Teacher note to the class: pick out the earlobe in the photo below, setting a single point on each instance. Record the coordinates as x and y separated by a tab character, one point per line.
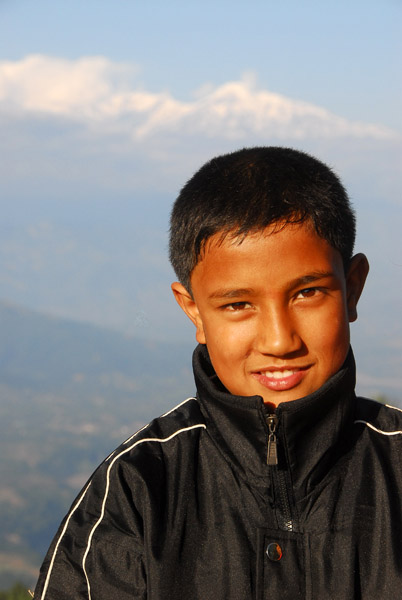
355	280
189	306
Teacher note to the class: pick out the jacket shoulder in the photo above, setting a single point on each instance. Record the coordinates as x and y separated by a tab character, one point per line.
184	417
383	418
140	459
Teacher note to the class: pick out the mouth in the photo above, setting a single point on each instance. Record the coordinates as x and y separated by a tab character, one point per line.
281	379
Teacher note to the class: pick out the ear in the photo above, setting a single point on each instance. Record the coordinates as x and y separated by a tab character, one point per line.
186	302
355	280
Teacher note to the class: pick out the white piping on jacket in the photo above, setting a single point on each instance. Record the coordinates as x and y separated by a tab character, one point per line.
145	426
378	430
394	407
178	406
397	432
98	522
130	438
59	540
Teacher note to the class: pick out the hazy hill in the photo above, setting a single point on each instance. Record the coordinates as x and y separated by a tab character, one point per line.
70	393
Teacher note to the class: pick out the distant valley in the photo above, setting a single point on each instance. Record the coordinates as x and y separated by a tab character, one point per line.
70	393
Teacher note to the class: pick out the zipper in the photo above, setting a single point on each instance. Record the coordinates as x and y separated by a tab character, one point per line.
284	515
272	450
283	508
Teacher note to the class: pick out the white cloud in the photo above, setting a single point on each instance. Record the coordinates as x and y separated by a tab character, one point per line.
105	95
76	89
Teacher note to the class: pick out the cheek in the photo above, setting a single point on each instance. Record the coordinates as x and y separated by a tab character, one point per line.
326	336
338	325
228	340
332	322
332	341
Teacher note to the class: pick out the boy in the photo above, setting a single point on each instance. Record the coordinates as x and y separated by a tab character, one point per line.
275	481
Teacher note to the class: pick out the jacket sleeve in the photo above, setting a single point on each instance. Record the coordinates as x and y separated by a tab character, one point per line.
97	553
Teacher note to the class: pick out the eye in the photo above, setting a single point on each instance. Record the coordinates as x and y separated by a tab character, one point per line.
236	306
308	292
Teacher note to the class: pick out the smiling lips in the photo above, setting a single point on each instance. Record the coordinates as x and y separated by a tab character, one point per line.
280	379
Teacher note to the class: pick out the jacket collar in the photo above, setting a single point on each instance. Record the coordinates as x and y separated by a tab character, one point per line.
310	430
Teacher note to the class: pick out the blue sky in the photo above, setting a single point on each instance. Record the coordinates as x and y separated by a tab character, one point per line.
107	107
341	55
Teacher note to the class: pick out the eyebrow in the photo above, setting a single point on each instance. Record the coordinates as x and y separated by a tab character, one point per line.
232	293
227	293
311	277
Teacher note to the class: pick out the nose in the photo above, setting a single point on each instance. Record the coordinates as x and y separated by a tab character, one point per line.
277	333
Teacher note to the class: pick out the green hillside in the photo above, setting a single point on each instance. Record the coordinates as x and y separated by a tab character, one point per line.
70	393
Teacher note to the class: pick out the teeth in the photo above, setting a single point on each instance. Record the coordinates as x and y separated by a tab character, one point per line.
278	374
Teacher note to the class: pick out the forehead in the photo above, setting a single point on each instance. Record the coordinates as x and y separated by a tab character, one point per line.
276	255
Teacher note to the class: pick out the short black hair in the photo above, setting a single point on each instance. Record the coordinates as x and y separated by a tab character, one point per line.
246	191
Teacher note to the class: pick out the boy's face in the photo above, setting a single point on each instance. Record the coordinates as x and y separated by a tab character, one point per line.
274	310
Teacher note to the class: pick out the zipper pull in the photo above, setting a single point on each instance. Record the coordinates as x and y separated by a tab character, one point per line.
272	452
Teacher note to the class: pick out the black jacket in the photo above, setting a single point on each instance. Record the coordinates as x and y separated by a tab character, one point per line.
189	509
